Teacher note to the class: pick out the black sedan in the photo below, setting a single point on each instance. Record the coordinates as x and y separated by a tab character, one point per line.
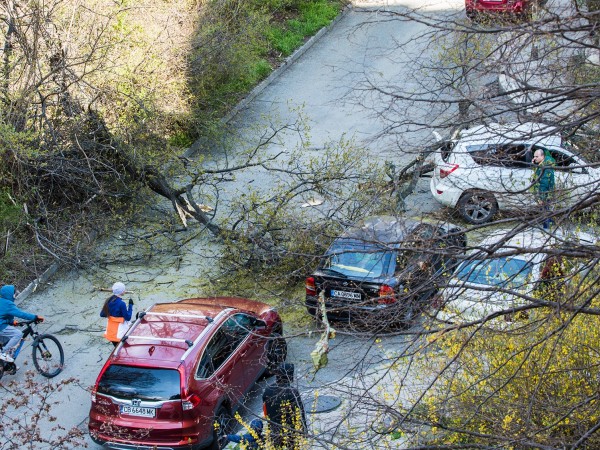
384	270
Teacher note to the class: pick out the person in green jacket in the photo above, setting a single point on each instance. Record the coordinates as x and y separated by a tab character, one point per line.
544	182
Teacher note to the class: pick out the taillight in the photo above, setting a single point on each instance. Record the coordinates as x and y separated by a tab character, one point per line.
445	172
311	288
386	295
191	402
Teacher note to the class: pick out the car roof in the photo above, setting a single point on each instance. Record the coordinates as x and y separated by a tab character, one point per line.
531	132
167	332
380	229
534	238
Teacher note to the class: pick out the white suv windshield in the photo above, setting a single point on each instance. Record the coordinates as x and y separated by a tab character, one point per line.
503	272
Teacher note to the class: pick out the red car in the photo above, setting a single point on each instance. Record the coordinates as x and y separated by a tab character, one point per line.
513	7
181	368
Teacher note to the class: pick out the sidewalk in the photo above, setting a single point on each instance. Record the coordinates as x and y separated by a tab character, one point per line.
537	66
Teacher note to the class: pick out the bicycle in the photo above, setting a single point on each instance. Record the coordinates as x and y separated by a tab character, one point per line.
46	351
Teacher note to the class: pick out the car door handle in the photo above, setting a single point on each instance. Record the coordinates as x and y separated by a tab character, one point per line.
243	353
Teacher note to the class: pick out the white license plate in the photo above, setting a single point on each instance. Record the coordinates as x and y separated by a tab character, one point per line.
344	294
138	411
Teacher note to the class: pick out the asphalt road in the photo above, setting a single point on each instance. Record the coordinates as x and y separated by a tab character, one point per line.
323	81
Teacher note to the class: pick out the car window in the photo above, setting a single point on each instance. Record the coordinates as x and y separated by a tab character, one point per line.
503	272
476	148
237	327
360	264
143	383
446	150
515	155
225	341
565	162
485	155
351	258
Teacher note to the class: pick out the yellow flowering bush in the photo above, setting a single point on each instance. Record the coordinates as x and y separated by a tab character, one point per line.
535	383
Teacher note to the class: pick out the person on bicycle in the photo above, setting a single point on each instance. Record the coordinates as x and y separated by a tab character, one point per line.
10	335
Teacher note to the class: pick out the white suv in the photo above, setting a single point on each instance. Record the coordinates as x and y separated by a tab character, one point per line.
493	286
489	168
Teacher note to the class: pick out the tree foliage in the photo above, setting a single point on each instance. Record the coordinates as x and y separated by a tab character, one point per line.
97	100
488	383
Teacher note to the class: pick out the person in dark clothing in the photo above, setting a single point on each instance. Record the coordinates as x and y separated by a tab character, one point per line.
251	440
283	408
117	313
544	179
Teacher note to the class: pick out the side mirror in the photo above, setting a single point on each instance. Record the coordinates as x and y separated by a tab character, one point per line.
259	325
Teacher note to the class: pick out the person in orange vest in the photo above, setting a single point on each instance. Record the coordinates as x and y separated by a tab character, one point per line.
116	312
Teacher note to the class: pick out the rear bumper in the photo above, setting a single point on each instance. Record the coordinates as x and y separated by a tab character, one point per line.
115	436
346	312
445	194
511	7
146	446
381	316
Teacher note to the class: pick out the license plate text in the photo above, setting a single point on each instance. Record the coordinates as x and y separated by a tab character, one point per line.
138	411
345	294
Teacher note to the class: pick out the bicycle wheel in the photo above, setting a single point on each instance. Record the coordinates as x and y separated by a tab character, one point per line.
48	355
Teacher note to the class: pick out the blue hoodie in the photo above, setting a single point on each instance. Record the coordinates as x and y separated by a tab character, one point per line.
249	440
8	309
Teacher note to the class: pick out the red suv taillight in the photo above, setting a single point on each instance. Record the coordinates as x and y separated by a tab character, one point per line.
311	288
386	295
445	172
191	402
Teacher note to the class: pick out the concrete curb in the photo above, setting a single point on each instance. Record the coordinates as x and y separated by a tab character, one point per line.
47	274
287	63
195	147
43	278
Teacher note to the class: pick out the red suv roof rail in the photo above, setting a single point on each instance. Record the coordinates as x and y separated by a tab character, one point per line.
193	316
190	343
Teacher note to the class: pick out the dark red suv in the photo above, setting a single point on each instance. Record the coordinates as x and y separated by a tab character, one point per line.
522	8
181	368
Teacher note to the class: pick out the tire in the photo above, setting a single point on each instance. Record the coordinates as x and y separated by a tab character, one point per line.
48	355
276	353
1	369
224	420
477	207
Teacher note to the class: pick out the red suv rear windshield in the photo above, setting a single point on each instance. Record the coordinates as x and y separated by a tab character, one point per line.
143	383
